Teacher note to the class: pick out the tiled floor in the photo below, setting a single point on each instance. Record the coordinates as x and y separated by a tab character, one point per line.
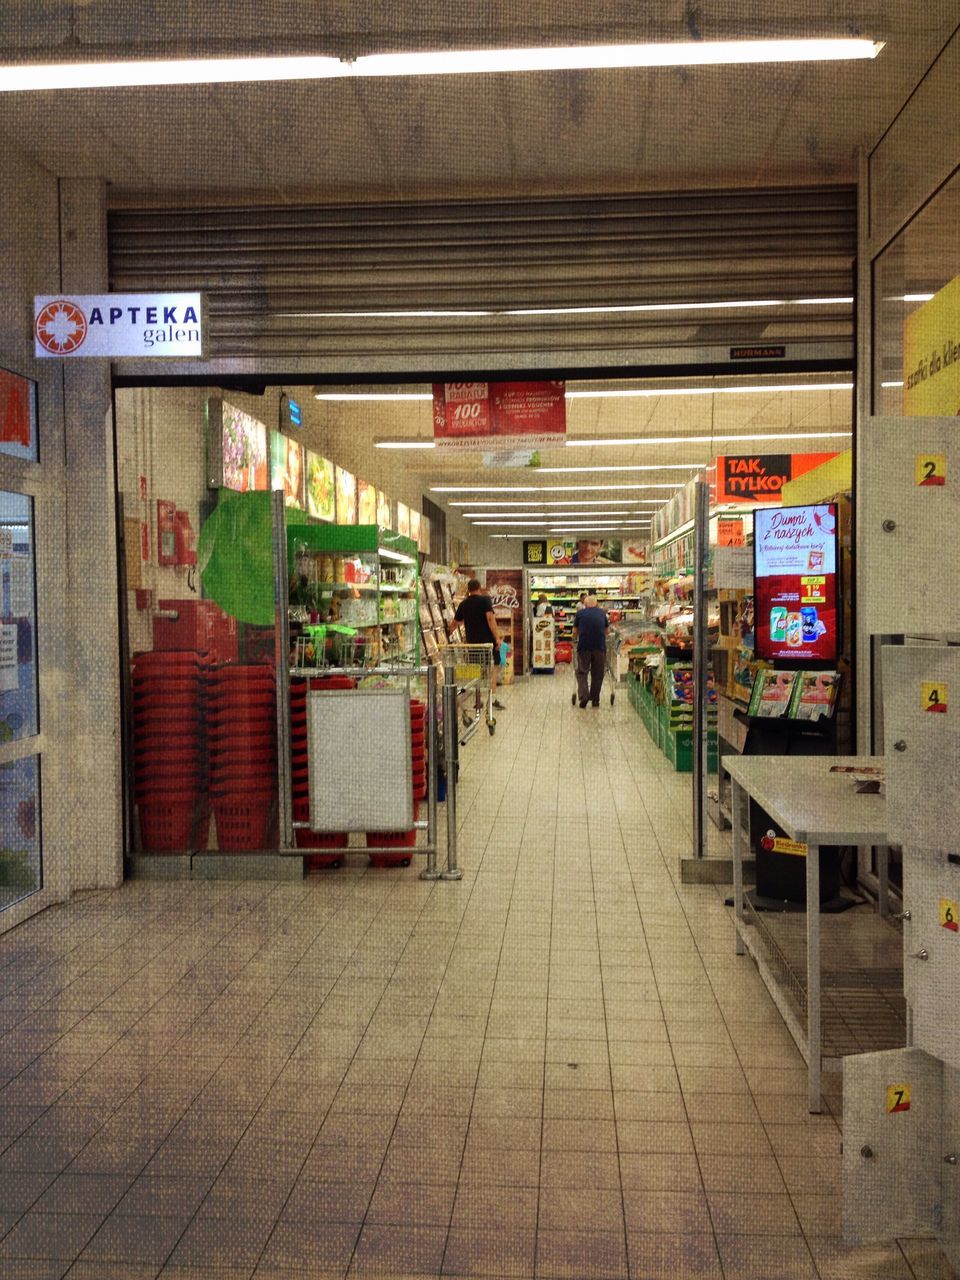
554	1068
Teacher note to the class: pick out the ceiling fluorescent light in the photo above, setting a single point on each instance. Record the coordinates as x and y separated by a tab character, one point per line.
620	512
585	442
553	502
127	73
627	392
547	488
916	297
615	56
891	384
406	444
638	466
722	305
614	308
372	395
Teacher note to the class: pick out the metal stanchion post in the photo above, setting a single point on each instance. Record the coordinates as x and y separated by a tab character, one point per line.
430	872
451	744
700	665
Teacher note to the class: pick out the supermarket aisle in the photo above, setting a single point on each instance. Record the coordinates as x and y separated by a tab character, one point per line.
555	1068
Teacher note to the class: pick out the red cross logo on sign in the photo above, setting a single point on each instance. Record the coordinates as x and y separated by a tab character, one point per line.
61	327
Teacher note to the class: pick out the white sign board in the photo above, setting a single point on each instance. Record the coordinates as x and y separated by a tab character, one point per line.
112	325
9	674
733	568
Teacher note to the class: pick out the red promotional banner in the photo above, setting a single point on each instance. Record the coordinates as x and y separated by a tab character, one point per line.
471	414
16	413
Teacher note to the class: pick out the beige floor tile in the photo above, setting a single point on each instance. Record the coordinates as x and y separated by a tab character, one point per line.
416	1204
599	1255
730	1139
747	1257
580	1209
652	1171
483	1206
495	1132
506	1103
47	1235
767	1215
313	1245
722	1172
654	1136
662	1256
579	1135
490	1252
333	1201
390	1251
578	1104
591	1169
670	1212
926	1260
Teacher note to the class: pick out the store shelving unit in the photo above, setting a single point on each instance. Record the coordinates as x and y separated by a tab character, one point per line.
362	578
437	608
624	592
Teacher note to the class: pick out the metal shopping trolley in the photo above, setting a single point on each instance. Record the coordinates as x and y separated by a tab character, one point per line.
611	664
472	665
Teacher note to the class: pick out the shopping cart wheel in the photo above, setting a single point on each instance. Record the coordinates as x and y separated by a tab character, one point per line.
404	862
573	699
612	696
491	727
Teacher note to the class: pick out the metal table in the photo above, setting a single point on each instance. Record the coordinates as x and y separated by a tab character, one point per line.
817	807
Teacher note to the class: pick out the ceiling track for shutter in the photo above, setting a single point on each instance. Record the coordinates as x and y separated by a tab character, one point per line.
288	286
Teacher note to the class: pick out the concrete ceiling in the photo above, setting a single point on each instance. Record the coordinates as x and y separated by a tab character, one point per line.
458	137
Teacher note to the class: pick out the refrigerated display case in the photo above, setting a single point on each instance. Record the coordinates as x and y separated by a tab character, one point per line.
353	595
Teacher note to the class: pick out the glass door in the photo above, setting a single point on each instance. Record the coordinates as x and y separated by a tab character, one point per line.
24	886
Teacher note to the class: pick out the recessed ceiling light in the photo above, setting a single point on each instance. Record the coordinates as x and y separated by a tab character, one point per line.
94	75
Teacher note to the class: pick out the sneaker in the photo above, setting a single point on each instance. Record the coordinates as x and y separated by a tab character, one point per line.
498	706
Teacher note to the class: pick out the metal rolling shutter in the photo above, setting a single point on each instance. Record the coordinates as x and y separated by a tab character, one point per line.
273	275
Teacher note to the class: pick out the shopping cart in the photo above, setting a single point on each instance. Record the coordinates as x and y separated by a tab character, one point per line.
611	663
472	665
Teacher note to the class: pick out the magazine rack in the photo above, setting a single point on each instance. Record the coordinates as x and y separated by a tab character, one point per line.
781	878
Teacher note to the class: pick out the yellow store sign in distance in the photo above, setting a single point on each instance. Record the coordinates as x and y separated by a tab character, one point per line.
931	356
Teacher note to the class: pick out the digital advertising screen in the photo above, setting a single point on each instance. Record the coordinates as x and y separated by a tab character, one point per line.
286	468
795	583
243	450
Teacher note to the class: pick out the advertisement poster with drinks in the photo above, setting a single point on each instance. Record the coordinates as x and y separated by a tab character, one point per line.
795	583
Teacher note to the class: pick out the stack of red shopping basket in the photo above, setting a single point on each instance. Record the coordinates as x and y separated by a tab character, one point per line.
242	728
169	752
334	842
404	841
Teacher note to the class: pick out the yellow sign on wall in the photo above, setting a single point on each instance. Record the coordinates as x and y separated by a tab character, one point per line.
931	356
898	1098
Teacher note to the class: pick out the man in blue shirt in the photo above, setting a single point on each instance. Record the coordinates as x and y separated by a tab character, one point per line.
590	632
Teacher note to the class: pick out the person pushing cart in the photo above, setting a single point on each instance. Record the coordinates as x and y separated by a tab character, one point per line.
590	626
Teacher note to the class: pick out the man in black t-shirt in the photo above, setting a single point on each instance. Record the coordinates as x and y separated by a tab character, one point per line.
475	611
